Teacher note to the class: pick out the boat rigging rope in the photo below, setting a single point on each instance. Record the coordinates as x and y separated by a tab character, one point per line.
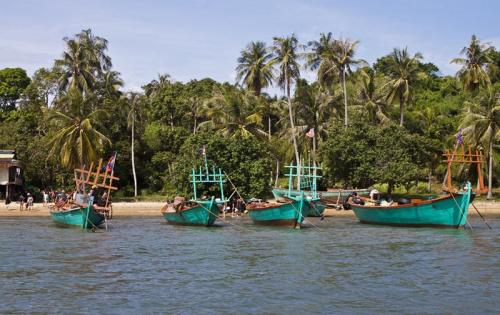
481	216
460	208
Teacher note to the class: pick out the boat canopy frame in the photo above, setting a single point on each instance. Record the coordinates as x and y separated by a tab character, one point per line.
463	156
203	175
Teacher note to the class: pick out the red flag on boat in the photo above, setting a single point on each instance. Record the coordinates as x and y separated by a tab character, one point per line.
111	163
310	133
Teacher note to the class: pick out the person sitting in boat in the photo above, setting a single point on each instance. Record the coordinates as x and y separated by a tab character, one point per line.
178	203
374	198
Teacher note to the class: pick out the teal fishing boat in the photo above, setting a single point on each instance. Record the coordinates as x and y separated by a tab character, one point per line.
90	209
330	196
306	186
201	212
448	211
83	217
292	209
290	213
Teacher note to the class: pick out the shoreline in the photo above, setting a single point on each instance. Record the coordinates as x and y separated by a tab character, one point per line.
152	208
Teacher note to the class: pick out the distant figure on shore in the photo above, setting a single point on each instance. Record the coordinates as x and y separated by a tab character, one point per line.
21	202
45	198
29	203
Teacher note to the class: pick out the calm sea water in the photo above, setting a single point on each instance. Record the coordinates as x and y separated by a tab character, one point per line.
142	265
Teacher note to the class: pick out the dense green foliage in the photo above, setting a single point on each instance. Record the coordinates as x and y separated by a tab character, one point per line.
400	114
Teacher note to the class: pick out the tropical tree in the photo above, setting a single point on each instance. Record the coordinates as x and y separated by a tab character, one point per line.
344	61
286	57
255	67
232	113
321	58
83	63
134	114
474	72
405	72
480	125
77	141
371	96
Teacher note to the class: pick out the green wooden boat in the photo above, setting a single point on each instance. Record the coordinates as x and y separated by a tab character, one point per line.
98	207
447	211
82	217
291	213
307	182
198	212
331	196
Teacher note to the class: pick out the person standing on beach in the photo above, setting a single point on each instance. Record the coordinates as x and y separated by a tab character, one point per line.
29	203
45	198
21	202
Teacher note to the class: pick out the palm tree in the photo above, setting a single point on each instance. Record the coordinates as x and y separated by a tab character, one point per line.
77	142
404	71
344	61
96	47
83	62
134	114
255	67
371	97
474	67
76	69
285	56
112	84
322	58
232	112
481	126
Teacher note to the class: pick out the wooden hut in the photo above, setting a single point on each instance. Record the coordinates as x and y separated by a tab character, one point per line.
10	174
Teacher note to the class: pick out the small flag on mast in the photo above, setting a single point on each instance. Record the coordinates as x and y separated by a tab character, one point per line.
310	133
111	163
460	139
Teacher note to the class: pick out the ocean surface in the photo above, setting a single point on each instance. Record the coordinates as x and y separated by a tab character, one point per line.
144	266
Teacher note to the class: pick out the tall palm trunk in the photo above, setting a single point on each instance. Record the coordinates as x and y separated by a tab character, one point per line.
345	97
292	124
401	110
195	122
490	170
269	126
133	157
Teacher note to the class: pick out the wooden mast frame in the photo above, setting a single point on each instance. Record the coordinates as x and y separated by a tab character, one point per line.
464	157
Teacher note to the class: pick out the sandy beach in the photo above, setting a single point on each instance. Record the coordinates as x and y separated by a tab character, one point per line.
146	208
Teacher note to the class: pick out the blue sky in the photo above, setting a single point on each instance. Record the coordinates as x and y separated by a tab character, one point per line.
194	39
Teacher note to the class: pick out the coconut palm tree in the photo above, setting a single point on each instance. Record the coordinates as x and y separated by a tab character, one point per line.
371	96
474	66
83	62
76	69
286	57
404	72
344	61
95	47
480	125
232	112
321	58
134	114
77	141
255	67
111	84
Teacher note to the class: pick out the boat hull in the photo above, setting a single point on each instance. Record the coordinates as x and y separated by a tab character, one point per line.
77	217
316	208
450	211
204	214
287	214
329	197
